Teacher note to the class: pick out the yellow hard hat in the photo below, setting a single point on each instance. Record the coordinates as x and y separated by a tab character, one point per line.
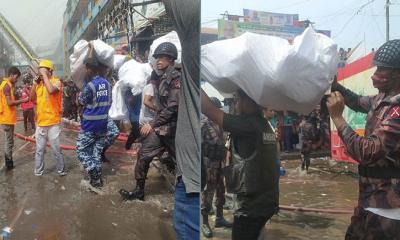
45	63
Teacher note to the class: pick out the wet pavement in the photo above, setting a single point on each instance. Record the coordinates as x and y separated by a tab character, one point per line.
327	185
51	207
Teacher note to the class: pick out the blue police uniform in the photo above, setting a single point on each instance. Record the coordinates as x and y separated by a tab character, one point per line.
96	99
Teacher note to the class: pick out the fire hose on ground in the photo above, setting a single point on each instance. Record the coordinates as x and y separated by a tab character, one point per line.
123	137
67	147
316	210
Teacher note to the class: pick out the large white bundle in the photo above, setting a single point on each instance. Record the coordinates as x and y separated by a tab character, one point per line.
103	52
118	110
77	58
132	75
271	71
119	60
170	37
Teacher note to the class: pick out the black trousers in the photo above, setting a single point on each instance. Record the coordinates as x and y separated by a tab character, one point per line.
152	145
248	228
29	116
133	135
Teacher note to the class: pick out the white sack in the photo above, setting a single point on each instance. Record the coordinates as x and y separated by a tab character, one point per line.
119	60
132	75
104	53
78	70
118	110
170	37
271	71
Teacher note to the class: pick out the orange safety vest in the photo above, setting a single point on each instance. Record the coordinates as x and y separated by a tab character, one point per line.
8	114
48	106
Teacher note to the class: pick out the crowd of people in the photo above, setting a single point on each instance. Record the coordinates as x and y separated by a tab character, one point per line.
153	115
240	151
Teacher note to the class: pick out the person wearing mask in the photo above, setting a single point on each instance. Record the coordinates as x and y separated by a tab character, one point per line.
377	215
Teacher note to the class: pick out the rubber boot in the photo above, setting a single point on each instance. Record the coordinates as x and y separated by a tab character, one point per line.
135	194
220	220
9	163
205	227
95	178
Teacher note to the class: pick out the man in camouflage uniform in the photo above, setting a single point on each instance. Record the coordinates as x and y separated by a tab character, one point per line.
70	93
377	215
213	154
159	133
309	137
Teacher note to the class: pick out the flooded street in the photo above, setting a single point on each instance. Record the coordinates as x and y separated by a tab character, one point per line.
51	207
327	186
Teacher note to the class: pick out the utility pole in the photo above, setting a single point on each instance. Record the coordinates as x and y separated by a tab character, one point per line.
387	20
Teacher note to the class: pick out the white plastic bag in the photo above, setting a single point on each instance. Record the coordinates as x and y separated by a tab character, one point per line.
132	75
104	53
271	71
119	60
170	37
77	58
118	110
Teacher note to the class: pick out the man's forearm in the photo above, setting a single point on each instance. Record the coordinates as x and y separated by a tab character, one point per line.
351	99
49	86
211	111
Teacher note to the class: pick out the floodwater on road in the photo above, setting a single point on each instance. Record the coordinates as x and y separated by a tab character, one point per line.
51	207
327	185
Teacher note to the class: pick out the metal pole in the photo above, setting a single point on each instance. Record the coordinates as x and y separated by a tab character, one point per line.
387	20
127	24
133	39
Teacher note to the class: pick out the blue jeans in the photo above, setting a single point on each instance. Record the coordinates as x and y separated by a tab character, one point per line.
288	135
186	213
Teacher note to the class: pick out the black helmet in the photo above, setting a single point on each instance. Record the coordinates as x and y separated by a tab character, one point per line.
388	55
216	102
166	48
